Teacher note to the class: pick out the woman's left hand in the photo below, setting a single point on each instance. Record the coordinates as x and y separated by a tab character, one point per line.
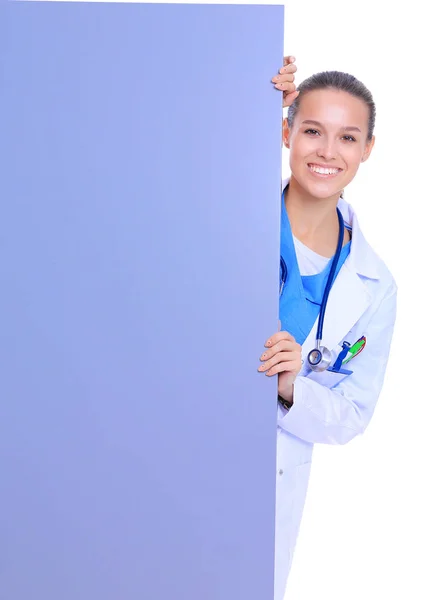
283	357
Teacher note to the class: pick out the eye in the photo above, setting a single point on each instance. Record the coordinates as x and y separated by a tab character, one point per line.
349	138
312	131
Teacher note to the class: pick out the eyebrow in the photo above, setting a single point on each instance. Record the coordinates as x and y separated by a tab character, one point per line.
311	122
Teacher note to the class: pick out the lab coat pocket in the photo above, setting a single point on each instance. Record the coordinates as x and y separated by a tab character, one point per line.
329	378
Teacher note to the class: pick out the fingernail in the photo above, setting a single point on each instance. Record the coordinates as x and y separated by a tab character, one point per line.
282	70
261	368
268	343
275	79
263	356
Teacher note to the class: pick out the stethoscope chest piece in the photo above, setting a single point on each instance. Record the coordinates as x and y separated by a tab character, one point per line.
319	359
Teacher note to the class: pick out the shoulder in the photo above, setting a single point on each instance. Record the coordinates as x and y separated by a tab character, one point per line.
385	274
367	262
385	288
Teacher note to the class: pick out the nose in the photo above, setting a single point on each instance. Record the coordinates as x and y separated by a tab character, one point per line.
327	149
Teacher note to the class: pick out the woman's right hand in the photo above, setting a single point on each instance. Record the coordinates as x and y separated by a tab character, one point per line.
283	358
284	81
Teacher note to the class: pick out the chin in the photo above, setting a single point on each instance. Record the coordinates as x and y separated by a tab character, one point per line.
323	192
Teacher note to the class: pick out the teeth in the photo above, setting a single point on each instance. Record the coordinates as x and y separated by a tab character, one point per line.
324	171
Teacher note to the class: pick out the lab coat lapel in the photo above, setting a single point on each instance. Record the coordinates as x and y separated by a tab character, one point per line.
347	301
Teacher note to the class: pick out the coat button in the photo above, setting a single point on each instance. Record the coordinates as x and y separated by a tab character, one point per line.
280	471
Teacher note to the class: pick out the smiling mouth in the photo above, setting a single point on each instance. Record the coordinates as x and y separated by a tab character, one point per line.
324	171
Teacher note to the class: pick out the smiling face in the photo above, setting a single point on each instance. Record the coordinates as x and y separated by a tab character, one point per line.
327	141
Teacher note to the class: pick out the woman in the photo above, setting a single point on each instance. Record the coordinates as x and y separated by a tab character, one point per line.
329	132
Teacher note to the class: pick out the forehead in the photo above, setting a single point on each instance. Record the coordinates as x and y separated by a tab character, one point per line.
333	107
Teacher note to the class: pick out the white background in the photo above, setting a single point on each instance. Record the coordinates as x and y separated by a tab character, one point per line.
374	524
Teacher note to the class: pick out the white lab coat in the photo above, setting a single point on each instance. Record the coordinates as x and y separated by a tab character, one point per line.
362	302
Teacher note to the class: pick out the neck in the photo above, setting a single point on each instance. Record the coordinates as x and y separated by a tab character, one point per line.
313	221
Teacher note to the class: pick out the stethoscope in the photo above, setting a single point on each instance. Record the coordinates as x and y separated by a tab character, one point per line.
319	358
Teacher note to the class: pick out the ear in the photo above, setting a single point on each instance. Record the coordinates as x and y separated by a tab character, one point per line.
285	133
368	149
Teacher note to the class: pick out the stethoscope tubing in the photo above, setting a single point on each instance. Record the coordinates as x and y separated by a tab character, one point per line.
331	276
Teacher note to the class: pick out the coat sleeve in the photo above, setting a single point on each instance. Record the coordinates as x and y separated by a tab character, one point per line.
335	416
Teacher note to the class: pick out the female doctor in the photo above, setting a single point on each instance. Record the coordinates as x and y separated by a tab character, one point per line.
330	355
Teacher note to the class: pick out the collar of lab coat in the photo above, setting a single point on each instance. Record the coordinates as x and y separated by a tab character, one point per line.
362	258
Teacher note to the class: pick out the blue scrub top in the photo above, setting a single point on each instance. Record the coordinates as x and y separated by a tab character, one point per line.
301	297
